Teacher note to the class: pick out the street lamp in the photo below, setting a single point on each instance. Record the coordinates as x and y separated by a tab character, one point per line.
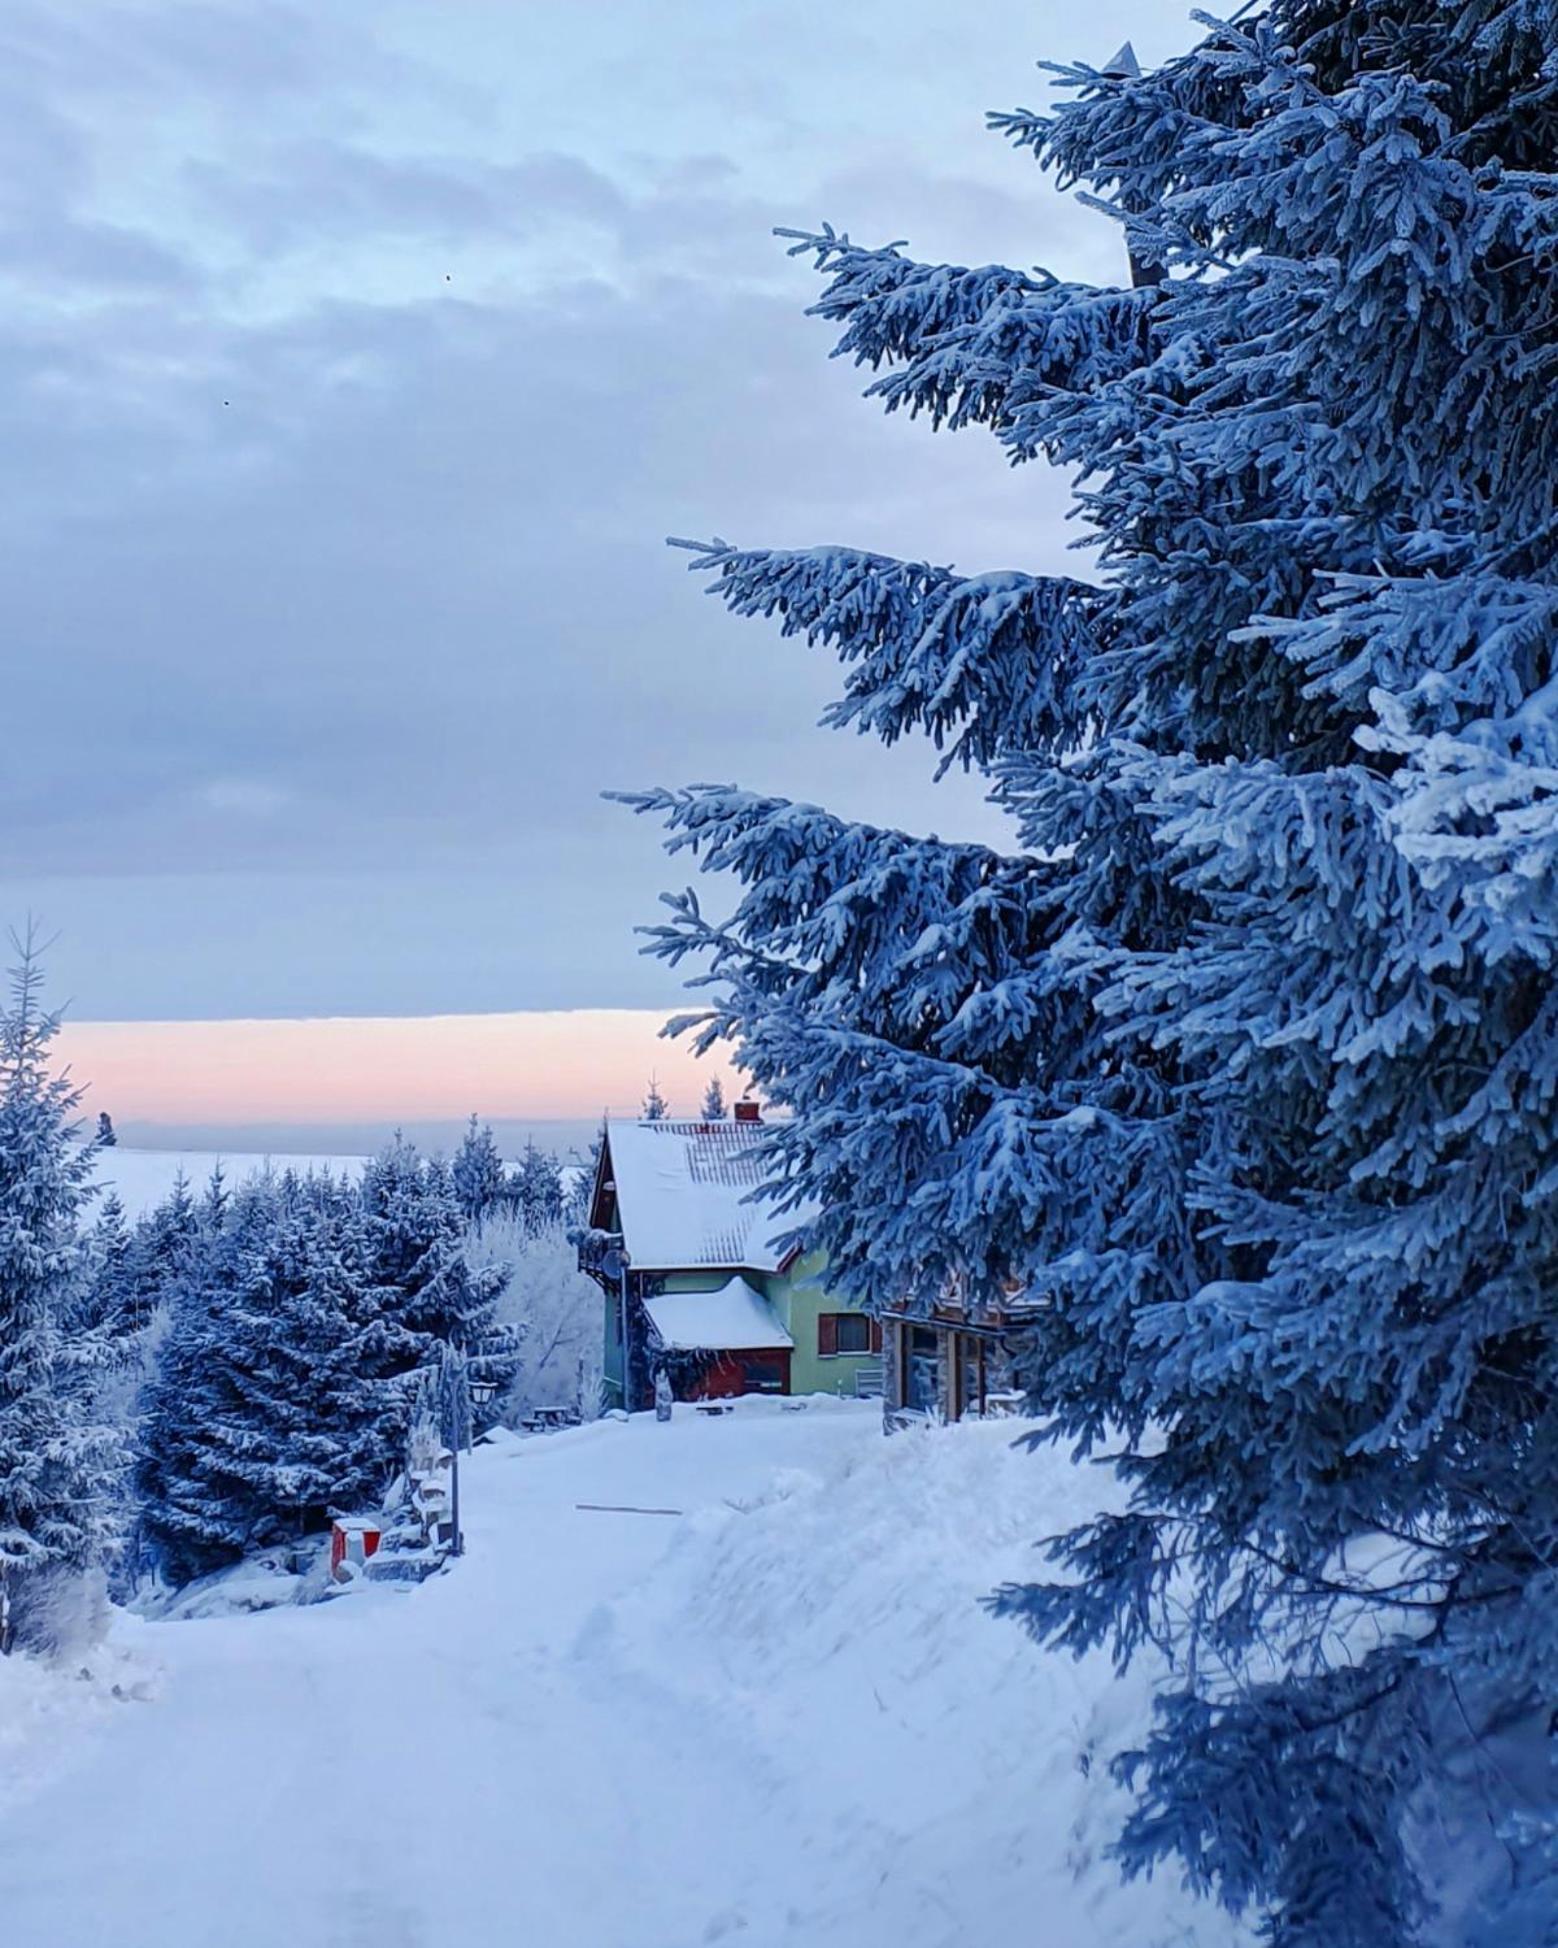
460	1394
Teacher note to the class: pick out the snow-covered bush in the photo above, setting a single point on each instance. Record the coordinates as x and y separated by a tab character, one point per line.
558	1308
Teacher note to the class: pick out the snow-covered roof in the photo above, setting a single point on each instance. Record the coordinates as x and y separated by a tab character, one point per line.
682	1196
734	1319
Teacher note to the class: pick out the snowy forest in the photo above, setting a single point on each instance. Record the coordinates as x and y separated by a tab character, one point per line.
244	1361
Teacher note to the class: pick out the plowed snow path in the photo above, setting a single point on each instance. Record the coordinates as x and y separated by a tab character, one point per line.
786	1723
454	1766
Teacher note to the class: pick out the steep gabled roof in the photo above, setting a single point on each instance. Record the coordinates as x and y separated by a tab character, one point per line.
682	1196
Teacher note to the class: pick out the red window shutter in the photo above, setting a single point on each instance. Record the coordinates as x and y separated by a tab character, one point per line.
876	1335
827	1332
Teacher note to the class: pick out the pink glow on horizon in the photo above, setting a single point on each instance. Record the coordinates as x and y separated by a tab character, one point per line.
565	1064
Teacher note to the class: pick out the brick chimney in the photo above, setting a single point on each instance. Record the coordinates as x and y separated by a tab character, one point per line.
747	1111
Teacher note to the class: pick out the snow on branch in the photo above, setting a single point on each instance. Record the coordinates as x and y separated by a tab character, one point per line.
982	663
962	339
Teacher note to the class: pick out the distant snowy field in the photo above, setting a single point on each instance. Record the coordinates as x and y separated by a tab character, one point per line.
143	1178
774	1715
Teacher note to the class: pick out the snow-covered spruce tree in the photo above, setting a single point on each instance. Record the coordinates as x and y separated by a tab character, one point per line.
713	1110
58	1462
290	1368
1245	1061
107	1265
184	1498
656	1108
284	1385
477	1171
583	1171
429	1287
535	1190
311	1398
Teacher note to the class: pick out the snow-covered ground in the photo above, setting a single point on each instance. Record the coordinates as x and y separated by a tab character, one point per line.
142	1178
775	1716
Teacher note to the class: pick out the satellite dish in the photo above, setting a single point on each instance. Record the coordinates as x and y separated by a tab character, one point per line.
1124	66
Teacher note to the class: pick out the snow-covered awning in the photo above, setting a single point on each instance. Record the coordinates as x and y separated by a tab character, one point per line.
734	1319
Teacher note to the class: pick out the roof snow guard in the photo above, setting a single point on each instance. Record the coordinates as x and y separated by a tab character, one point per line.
735	1319
683	1192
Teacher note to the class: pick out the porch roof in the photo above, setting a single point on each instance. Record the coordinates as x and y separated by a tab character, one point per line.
733	1319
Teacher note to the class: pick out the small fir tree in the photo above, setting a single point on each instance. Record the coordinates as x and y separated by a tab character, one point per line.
477	1172
656	1109
536	1190
714	1110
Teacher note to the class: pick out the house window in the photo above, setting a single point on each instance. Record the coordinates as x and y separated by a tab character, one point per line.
844	1332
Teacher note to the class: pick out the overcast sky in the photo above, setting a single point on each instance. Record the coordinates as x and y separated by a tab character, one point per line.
355	360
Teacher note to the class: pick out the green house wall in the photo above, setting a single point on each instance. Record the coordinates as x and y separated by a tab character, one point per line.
798	1303
611	1364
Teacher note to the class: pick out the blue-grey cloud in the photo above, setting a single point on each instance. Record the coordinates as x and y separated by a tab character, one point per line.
343	431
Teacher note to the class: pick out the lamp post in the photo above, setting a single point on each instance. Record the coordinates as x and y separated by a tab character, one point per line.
460	1393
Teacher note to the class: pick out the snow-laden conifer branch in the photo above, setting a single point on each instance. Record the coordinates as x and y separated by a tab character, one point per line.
982	663
960	339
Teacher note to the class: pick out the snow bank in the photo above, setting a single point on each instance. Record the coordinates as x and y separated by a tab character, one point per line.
263	1582
940	1779
49	1710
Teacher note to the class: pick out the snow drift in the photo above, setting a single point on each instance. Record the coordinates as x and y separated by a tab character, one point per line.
937	1778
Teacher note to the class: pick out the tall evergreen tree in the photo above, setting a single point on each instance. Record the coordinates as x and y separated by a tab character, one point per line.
310	1400
713	1110
656	1108
107	1264
536	1190
1244	1059
185	1525
581	1182
215	1201
416	1244
162	1251
58	1462
477	1171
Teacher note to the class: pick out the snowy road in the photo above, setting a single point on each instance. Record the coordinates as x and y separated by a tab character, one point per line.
778	1719
408	1772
